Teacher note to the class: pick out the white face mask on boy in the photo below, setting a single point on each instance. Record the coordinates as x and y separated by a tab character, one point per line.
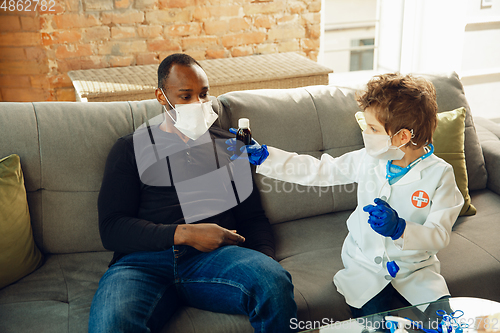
379	146
192	120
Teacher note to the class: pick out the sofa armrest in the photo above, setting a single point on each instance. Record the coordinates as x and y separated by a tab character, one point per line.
488	133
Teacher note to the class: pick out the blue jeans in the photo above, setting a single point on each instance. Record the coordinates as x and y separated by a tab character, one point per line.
141	291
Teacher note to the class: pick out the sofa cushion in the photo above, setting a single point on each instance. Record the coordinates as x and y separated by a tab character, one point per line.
449	139
56	297
294	237
72	159
299	120
19	121
315	294
489	136
448	142
280	118
192	320
471	262
19	254
63	165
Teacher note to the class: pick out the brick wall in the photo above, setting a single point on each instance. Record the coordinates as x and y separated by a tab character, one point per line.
38	48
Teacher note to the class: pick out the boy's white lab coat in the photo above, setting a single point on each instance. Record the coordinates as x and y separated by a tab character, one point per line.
427	198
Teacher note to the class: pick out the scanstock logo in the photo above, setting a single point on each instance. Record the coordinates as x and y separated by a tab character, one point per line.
207	182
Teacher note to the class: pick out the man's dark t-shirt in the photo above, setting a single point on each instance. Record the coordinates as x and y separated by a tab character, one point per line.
135	216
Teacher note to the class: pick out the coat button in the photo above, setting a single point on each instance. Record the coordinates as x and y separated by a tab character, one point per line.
388	277
378	260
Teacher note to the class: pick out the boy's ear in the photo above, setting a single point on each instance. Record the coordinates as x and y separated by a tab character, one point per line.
405	136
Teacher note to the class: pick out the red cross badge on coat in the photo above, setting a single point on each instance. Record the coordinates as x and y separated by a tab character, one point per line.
420	199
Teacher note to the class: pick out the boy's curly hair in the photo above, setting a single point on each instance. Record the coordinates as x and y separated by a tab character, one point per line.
402	102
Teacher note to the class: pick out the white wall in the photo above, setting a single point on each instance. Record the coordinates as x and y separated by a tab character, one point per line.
481	49
389	35
345	20
424	36
341	12
480	70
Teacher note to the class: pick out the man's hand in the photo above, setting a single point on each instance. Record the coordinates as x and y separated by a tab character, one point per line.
205	237
385	220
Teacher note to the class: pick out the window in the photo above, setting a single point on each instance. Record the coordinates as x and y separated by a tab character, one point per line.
362	54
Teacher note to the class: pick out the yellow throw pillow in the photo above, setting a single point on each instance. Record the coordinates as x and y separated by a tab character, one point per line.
448	142
19	254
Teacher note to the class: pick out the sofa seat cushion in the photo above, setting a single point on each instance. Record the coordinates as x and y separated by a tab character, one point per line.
310	234
56	297
310	250
470	264
192	320
474	228
315	294
45	317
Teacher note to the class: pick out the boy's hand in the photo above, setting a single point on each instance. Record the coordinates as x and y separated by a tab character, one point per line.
385	220
256	153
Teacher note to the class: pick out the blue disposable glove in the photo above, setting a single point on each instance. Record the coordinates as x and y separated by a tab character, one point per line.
256	153
385	220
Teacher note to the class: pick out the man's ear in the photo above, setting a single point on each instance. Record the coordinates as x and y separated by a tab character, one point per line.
160	97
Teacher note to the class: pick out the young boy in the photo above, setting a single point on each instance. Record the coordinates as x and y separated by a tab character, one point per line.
407	197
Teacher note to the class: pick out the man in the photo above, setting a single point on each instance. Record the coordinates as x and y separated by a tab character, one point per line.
165	255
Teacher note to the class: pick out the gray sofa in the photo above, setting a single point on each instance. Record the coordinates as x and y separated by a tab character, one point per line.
63	148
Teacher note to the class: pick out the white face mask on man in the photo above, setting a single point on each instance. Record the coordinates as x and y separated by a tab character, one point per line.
192	120
380	146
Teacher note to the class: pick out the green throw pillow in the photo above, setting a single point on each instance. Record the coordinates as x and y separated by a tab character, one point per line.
19	255
449	145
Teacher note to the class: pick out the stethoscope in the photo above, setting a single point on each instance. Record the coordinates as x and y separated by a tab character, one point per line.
392	267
